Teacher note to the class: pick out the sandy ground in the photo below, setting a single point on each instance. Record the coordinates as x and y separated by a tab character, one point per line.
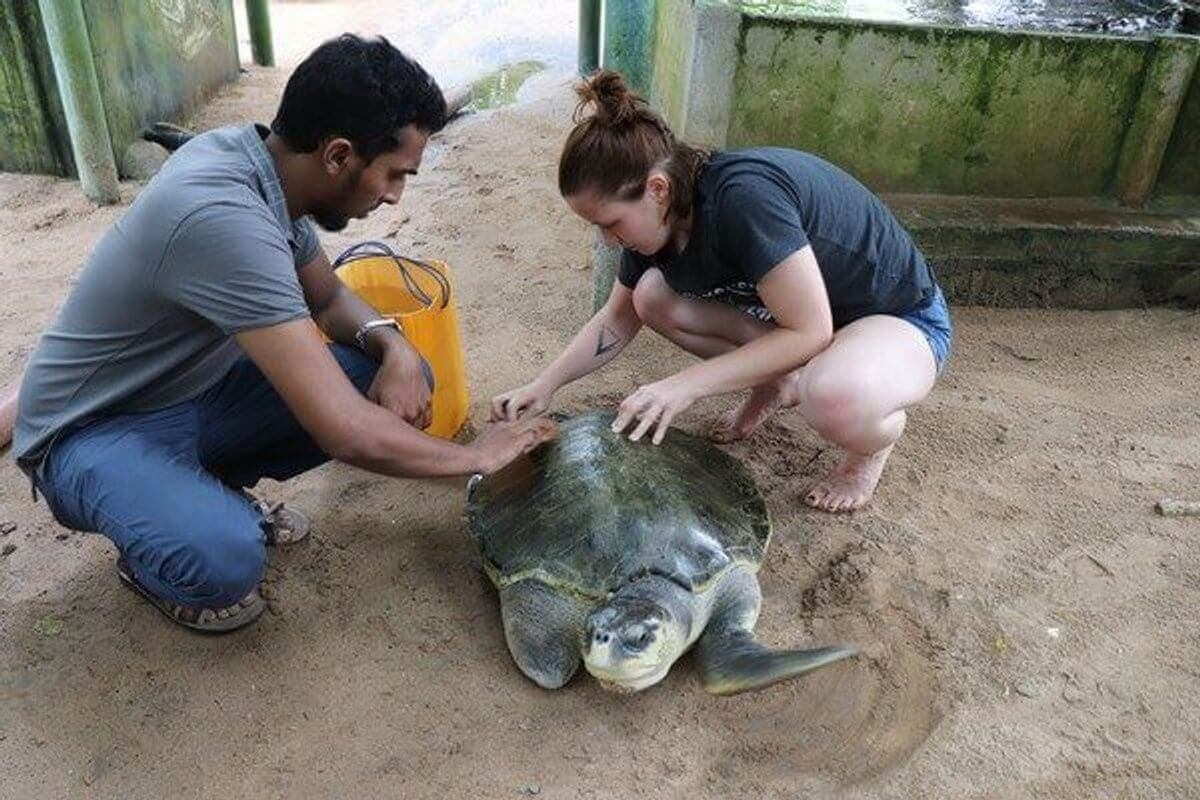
1029	624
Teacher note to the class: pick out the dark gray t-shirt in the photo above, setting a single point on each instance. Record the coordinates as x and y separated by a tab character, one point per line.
754	208
206	250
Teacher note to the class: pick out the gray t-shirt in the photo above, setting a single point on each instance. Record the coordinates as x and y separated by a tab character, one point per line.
206	250
754	208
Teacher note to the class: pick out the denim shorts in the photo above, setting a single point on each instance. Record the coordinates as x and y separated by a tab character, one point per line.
933	320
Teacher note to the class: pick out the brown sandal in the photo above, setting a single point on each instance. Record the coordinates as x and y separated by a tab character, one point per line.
282	525
207	620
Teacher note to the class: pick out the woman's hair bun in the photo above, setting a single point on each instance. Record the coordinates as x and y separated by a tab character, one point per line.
614	103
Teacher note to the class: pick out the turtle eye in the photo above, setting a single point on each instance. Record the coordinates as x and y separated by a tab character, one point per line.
639	637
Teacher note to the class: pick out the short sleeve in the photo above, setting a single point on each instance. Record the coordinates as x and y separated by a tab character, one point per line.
757	224
231	264
631	269
306	240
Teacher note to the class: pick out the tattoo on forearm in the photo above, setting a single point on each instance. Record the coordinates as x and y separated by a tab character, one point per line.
607	341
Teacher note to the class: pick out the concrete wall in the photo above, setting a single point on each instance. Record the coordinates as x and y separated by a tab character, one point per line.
944	111
1180	174
155	59
927	109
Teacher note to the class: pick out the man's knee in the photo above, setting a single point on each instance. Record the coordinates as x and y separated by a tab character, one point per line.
361	368
217	568
358	366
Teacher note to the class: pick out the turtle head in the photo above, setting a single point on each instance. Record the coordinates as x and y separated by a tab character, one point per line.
631	643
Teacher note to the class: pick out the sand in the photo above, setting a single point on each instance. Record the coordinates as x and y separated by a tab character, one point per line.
1029	624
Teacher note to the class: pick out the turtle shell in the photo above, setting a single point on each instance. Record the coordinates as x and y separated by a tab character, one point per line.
591	510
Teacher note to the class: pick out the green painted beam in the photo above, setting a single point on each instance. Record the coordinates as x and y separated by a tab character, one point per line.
259	17
1170	65
629	40
75	71
589	36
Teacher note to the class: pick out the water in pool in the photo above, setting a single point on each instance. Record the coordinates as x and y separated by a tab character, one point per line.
1097	16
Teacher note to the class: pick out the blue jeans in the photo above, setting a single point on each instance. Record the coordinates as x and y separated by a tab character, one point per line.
164	485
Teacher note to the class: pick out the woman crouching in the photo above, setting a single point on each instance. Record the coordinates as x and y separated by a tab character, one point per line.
782	272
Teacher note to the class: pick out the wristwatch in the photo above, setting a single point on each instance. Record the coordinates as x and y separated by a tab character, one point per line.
360	336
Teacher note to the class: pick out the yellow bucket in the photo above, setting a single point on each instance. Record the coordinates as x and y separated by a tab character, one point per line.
419	296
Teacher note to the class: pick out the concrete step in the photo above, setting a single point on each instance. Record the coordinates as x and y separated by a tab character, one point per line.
1062	252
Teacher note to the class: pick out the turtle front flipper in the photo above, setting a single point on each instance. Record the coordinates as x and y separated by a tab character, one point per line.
731	661
544	630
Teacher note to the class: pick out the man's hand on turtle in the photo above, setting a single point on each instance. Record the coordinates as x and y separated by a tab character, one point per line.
401	386
529	400
504	441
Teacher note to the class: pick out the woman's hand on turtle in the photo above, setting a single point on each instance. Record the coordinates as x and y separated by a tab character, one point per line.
504	441
656	405
530	400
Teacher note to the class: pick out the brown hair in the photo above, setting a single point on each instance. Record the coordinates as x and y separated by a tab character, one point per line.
612	150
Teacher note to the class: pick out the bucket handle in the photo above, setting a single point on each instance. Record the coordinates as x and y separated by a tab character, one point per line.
372	249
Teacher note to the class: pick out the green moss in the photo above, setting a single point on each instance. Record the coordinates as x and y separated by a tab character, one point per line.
32	127
158	60
500	88
923	109
1180	173
153	61
671	58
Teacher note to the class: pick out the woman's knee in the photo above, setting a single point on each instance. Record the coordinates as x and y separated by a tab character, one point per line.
653	300
836	405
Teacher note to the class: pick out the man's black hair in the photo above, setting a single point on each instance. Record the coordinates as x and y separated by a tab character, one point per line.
362	89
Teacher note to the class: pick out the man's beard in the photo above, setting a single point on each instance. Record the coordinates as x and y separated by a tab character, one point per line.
331	221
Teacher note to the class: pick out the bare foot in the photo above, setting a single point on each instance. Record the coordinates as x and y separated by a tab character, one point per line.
850	484
8	412
764	400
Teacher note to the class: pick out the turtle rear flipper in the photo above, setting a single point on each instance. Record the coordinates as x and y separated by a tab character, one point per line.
733	662
171	137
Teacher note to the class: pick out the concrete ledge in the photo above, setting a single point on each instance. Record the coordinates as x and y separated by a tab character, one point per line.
1072	253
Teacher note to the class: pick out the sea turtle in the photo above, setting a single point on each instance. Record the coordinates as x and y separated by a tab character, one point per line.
623	554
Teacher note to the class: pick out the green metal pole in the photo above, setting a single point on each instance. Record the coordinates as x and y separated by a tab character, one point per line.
75	72
259	18
589	36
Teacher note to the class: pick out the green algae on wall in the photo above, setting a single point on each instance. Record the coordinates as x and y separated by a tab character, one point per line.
154	59
671	58
1180	173
32	127
499	88
923	109
158	58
